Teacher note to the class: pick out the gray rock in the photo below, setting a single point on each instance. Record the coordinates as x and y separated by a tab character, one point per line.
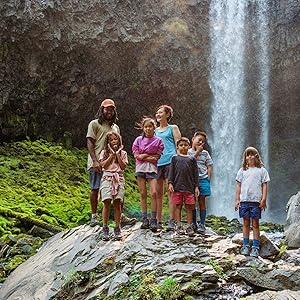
292	227
272	295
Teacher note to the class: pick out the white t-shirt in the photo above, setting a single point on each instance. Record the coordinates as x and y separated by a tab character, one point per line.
251	183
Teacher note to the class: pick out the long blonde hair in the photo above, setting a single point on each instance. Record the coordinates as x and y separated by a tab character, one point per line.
258	161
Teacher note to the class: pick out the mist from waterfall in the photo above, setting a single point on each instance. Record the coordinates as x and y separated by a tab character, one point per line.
227	68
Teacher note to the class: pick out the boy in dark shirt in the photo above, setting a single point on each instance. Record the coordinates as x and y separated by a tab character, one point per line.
183	184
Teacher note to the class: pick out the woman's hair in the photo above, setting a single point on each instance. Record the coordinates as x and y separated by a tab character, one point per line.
100	117
140	125
183	139
258	161
108	135
168	109
202	133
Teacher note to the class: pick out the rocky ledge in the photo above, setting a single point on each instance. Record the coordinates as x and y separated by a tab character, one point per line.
77	264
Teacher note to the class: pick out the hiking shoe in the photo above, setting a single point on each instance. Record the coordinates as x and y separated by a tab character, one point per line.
180	230
190	230
201	229
254	252
94	221
171	225
195	227
105	231
145	224
117	234
160	226
127	221
245	250
153	225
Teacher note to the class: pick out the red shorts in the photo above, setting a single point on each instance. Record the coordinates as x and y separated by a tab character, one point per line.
182	197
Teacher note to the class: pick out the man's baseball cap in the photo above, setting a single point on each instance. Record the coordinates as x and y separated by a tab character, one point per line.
107	103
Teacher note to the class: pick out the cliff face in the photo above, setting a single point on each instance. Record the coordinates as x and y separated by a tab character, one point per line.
59	59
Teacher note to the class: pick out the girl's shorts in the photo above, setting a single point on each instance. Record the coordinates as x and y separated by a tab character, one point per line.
204	187
182	197
146	175
106	190
249	210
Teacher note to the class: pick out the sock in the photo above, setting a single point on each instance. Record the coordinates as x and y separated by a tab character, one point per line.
256	243
202	216
246	241
144	215
194	216
95	215
153	215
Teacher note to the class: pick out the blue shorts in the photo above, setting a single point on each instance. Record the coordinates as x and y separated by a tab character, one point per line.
204	187
146	175
95	179
163	172
250	210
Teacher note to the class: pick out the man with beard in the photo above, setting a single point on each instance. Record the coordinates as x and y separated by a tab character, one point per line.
96	135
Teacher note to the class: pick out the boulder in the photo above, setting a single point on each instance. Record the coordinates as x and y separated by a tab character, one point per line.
292	227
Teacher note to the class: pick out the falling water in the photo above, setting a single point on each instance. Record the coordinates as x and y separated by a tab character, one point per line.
263	57
227	86
228	64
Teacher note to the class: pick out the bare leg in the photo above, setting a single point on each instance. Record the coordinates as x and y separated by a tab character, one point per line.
94	200
117	212
143	193
246	227
189	213
178	208
256	232
105	211
159	198
153	194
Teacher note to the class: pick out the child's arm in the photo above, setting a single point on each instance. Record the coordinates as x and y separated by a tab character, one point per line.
263	202
209	171
237	195
120	161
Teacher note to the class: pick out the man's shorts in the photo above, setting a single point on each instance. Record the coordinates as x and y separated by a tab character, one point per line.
250	210
182	197
163	172
106	190
95	179
146	175
204	187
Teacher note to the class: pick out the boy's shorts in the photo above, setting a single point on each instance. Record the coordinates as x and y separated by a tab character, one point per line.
95	179
106	190
182	197
250	210
146	175
163	172
204	187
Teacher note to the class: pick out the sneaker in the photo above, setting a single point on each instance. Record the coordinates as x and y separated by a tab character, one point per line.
153	225
245	250
127	221
145	224
94	221
195	227
180	230
160	226
171	225
105	231
117	234
254	252
190	230
201	229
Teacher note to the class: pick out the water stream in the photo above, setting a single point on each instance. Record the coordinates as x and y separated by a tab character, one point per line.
230	42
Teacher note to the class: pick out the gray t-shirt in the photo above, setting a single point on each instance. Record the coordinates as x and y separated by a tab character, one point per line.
251	183
183	173
203	161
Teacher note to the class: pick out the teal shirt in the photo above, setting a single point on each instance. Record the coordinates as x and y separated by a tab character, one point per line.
169	143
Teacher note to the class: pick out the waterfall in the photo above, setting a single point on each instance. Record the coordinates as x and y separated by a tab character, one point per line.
263	58
227	64
228	67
